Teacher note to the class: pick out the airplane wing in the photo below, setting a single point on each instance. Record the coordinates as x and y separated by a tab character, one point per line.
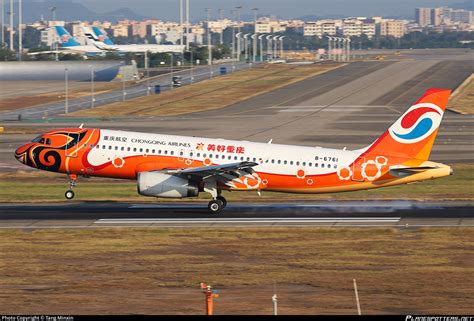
224	173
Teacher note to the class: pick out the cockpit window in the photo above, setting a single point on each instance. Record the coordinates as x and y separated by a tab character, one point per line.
42	140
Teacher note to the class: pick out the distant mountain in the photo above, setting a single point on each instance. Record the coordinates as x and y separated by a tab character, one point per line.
467	5
34	10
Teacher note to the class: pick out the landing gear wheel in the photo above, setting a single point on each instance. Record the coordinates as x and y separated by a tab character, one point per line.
69	195
215	206
223	200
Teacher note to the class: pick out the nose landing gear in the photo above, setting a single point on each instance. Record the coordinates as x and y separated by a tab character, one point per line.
72	183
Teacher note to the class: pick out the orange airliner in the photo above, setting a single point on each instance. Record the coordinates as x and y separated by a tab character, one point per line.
177	166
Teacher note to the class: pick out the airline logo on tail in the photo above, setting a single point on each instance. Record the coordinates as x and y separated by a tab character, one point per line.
66	39
101	37
418	123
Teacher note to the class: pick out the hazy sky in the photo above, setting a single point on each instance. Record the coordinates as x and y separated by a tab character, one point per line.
169	9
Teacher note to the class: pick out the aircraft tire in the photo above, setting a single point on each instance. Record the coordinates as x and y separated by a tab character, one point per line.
69	195
215	206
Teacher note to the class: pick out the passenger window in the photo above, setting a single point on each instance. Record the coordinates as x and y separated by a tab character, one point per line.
273	161
91	146
135	149
198	155
103	146
223	156
128	149
181	153
97	146
310	164
122	149
298	163
110	147
166	153
141	150
116	147
235	158
285	162
316	165
153	151
304	163
279	161
172	152
230	157
322	165
291	162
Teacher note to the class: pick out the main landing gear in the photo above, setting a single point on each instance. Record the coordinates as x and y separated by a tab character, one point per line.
217	205
72	182
218	202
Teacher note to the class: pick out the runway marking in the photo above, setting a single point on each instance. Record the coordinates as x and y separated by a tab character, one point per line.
251	220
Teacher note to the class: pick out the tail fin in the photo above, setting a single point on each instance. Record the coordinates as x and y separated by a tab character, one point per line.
411	137
102	37
65	37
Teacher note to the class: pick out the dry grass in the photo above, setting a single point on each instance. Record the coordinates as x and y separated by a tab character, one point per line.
213	93
463	102
39	186
14	103
158	271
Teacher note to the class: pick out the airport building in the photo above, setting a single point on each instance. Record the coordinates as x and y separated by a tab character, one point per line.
393	28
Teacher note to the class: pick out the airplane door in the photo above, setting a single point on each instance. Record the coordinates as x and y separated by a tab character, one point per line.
356	170
71	146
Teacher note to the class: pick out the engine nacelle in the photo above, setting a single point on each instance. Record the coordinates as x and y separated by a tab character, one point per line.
166	186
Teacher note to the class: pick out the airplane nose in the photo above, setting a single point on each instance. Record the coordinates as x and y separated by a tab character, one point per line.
20	154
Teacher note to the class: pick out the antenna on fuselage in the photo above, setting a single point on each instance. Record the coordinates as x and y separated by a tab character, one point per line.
270	141
82	125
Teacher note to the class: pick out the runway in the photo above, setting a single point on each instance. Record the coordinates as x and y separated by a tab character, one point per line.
185	215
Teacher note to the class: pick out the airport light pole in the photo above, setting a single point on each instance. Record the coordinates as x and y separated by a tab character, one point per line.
92	86
192	66
238	8
66	89
187	24
209	44
20	30
171	71
275	46
329	47
123	82
281	46
238	45
348	49
340	40
269	47
254	49
233	35
181	22
221	17
3	21
261	46
254	37
11	25
246	45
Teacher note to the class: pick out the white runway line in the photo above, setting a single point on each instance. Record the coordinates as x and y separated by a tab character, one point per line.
250	220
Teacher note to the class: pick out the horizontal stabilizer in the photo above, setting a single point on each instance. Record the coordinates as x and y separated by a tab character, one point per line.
407	171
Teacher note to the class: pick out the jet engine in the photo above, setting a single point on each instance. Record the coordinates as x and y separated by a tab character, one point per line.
165	186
